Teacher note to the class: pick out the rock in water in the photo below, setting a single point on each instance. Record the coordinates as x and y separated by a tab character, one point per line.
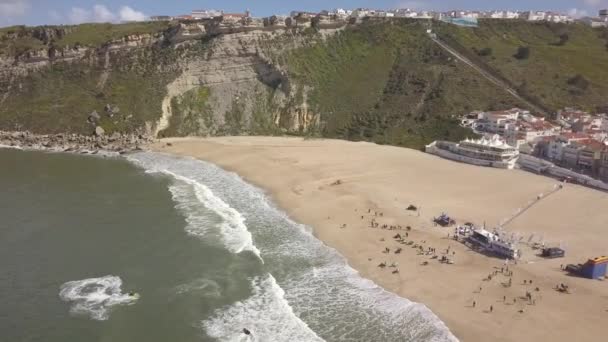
99	131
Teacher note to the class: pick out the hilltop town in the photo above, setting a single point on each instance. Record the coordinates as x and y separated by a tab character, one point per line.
304	18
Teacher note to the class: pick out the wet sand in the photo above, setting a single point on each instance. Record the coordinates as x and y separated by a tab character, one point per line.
379	182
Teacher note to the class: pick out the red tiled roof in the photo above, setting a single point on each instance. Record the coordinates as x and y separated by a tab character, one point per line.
539	125
236	15
593	144
574	114
575	136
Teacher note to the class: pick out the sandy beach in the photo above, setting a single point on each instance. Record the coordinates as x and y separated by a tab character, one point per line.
339	187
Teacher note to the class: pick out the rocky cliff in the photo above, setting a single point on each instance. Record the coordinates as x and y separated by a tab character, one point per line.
186	79
379	80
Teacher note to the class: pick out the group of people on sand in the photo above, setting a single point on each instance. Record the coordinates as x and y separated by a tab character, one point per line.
529	297
403	239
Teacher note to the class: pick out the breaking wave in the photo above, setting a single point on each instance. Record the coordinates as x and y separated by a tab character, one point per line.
232	227
95	297
266	314
306	291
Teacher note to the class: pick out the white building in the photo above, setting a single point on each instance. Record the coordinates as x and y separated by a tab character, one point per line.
604	124
555	148
206	14
497	15
558	18
342	13
512	15
594	22
492	152
528	132
535	15
498	121
361	13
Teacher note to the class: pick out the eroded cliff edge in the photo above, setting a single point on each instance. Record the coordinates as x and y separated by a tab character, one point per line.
377	80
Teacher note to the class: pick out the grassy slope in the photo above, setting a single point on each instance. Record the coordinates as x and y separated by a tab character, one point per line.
60	98
391	84
544	75
93	35
384	82
191	114
97	34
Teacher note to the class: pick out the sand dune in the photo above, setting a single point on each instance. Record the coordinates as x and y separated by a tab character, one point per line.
298	174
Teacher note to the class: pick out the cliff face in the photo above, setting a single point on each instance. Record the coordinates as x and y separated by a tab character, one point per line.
234	84
384	81
189	79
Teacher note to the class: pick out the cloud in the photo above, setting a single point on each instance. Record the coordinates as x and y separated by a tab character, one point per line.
79	15
102	14
592	2
577	13
13	8
417	5
129	14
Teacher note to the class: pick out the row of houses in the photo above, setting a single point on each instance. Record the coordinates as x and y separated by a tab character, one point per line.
576	151
343	14
205	14
516	126
577	140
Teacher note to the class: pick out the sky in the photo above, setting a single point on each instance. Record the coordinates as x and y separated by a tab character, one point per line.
39	12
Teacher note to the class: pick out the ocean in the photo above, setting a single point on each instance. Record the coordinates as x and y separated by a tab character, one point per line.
154	247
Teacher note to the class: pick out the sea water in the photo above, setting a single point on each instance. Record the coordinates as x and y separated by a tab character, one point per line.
155	247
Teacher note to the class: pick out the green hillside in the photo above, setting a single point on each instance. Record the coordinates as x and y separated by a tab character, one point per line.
566	64
390	83
383	80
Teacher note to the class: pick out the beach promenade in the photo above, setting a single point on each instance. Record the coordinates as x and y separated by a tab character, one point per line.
355	195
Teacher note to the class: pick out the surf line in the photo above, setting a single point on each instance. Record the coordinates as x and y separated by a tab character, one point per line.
235	233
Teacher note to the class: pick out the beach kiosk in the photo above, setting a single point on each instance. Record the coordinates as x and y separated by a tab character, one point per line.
593	269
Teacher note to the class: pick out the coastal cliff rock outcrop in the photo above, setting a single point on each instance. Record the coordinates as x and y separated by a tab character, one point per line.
378	80
231	66
75	143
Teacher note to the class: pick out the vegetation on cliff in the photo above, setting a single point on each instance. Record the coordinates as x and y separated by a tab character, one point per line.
383	80
61	97
17	40
541	59
390	83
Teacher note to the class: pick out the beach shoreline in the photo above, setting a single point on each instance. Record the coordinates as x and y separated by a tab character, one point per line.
338	187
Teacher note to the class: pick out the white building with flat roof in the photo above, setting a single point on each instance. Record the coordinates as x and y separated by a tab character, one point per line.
206	14
493	152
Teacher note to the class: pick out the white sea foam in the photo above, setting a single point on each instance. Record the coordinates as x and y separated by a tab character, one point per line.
234	231
206	287
266	314
11	147
95	297
317	286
